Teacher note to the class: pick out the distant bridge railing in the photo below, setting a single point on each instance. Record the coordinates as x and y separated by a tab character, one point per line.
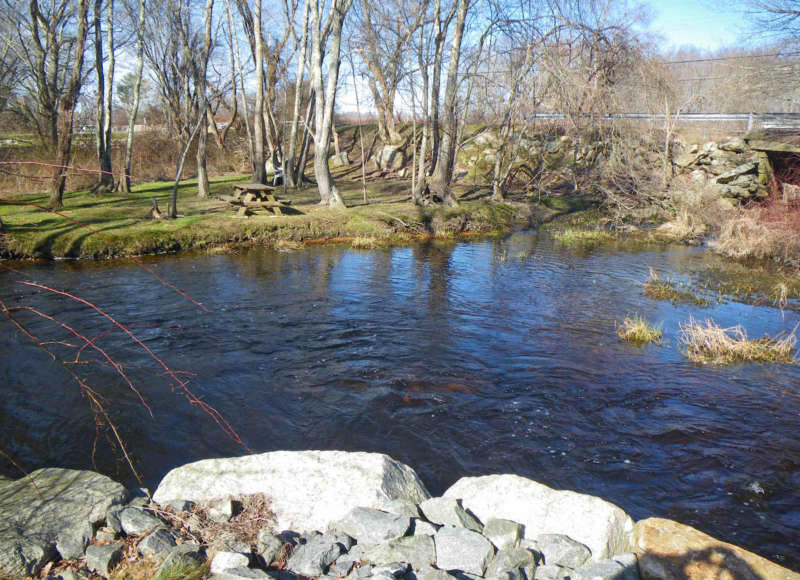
765	120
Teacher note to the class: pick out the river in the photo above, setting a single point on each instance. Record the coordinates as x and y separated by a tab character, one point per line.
458	359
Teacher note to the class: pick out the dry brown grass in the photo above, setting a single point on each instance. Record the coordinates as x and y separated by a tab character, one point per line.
365	243
708	343
748	236
685	227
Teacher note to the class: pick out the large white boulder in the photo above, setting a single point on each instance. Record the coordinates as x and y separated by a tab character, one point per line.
308	489
600	525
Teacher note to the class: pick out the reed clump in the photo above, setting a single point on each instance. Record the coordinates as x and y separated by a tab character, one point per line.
707	342
637	330
666	289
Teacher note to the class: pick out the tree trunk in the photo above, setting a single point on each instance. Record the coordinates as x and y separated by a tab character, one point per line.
202	172
306	145
289	169
325	101
67	109
423	147
104	94
259	171
443	175
125	180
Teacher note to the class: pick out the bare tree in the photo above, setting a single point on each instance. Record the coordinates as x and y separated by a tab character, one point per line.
50	40
125	180
105	85
385	34
325	98
443	174
291	172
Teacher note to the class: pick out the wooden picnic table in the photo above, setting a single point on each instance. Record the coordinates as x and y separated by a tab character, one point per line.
255	196
257	188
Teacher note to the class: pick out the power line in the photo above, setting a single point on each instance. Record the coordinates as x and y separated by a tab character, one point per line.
723	58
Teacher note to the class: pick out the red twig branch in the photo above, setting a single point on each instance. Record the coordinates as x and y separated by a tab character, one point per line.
226	427
88	341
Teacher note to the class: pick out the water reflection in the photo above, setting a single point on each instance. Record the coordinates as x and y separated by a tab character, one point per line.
463	359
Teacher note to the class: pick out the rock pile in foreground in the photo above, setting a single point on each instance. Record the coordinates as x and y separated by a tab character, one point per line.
357	516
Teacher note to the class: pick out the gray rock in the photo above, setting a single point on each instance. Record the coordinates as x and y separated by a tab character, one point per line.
135	521
507	575
112	518
223	561
268	545
361	572
179	505
315	556
71	543
394	569
46	506
429	573
240	573
503	533
229	542
742	169
512	560
402	507
390	157
370	526
105	536
102	559
603	527
343	566
735	145
342	539
600	570
419	551
463	550
157	544
181	556
628	560
308	489
357	551
688	159
448	511
139	497
532	547
549	572
561	550
422	528
220	510
24	555
340	160
65	575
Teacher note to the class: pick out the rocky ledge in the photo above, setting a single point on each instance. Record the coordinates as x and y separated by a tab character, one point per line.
331	515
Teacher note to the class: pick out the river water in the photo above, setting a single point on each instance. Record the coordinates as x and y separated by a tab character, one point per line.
458	359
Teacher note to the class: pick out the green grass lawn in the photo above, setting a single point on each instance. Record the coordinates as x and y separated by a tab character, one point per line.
123	227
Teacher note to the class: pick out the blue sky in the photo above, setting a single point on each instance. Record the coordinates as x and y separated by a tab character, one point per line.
706	25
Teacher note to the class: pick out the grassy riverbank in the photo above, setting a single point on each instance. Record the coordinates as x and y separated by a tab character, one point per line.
124	229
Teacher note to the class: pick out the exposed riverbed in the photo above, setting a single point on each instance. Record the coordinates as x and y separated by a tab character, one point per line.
457	359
